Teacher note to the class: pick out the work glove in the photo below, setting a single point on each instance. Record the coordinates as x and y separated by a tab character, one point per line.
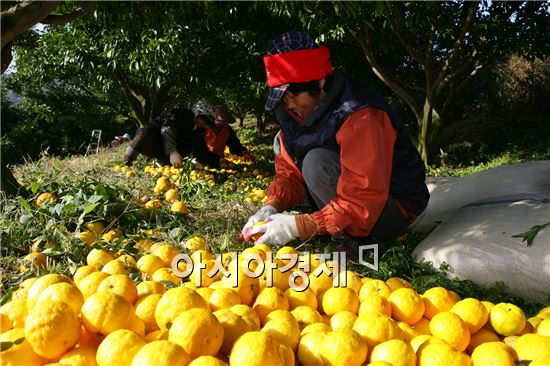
260	215
279	229
175	160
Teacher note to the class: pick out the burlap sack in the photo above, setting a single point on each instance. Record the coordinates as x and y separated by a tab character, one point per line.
448	194
477	244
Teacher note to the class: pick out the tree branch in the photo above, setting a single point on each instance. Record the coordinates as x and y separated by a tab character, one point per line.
466	24
395	25
479	68
69	17
393	84
22	17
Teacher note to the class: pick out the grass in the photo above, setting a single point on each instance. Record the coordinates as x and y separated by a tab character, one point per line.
89	189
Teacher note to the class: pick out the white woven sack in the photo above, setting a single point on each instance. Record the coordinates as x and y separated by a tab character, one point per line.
477	244
448	194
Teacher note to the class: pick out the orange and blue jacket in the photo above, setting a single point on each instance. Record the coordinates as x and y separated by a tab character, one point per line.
376	155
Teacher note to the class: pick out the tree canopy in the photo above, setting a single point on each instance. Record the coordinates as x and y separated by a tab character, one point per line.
129	61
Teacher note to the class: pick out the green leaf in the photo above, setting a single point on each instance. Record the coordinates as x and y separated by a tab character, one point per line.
4	346
530	234
6	297
24	203
168	284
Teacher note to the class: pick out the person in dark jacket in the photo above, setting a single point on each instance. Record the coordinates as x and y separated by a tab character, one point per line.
200	133
339	144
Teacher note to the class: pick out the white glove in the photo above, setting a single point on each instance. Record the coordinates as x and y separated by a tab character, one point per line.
260	215
197	164
278	230
175	160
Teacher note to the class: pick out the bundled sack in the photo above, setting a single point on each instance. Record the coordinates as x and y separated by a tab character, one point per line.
478	244
448	194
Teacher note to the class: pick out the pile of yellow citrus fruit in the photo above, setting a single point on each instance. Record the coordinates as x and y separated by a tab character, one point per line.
255	308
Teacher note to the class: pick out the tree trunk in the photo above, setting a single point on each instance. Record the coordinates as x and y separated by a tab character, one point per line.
428	132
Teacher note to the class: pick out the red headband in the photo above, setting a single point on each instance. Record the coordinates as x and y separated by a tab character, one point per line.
297	66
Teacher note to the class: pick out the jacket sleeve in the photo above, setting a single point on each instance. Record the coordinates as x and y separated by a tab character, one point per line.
234	144
169	139
366	142
288	187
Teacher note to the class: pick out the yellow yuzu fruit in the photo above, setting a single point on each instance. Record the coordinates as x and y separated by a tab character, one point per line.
145	310
374	303
436	300
349	279
482	336
45	197
223	298
233	325
98	258
41	284
105	312
338	299
121	285
342	320
116	267
166	252
422	326
23	289
16	312
82	272
248	314
172	195
376	328
161	353
309	348
543	328
149	264
79	356
395	351
452	329
306	316
257	349
271	298
316	327
166	274
441	354
63	292
374	286
532	347
19	354
52	328
208	361
150	287
196	243
89	284
473	312
175	301
343	347
507	319
88	237
198	331
96	226
301	298
111	235
396	282
493	353
406	305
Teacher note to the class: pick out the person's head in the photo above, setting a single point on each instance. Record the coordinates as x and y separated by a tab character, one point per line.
205	114
296	69
223	116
